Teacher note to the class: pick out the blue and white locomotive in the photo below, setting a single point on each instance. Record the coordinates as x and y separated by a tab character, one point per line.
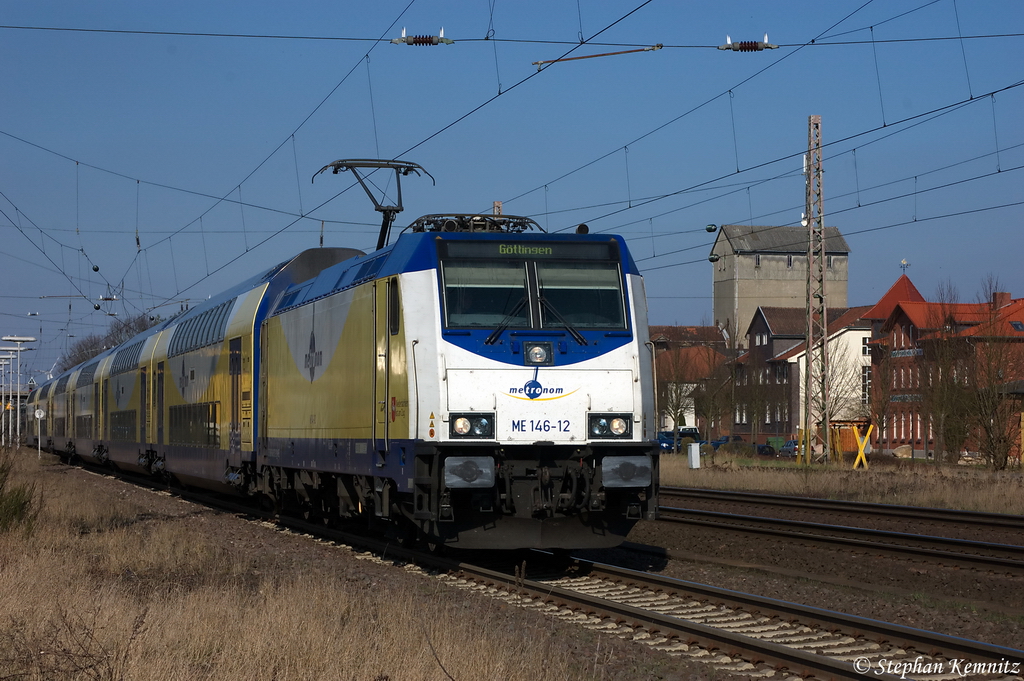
477	383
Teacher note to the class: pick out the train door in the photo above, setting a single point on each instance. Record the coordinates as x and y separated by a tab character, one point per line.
160	403
95	430
386	315
72	412
103	412
143	404
235	427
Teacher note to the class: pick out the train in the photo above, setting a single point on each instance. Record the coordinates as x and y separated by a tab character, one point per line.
477	383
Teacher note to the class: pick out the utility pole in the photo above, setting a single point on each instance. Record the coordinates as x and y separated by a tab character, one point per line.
816	375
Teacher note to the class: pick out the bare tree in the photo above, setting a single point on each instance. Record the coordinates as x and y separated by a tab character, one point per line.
880	396
678	372
944	376
119	332
995	359
713	395
844	382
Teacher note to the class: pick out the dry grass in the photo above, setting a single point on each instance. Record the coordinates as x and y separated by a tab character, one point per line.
99	592
904	482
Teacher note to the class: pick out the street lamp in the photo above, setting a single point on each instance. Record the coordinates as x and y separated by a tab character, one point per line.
5	360
18	340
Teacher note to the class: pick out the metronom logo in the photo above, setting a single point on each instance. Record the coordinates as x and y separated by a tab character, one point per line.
533	390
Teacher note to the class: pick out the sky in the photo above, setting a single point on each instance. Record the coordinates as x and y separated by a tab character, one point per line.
155	154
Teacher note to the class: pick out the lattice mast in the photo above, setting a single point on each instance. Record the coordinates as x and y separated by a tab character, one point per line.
816	415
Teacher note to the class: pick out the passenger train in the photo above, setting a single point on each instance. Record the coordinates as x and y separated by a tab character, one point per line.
477	383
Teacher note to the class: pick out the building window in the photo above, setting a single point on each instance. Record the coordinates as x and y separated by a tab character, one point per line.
865	349
757	260
829	259
789	264
865	385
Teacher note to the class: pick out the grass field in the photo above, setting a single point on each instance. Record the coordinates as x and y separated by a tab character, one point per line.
892	481
92	588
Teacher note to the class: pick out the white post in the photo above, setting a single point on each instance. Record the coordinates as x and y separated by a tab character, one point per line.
693	454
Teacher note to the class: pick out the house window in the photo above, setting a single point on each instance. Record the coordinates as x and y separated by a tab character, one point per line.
865	385
757	260
829	259
865	349
789	263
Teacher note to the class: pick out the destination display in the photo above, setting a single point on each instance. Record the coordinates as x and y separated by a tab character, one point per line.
520	249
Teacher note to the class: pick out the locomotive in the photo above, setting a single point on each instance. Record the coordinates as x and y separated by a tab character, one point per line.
477	383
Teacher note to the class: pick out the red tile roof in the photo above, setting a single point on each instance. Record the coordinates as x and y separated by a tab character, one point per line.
689	364
902	291
687	334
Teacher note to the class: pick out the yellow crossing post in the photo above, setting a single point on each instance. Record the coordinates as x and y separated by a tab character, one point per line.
861	443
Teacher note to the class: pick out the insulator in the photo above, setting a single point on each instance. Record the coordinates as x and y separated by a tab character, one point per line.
422	40
748	46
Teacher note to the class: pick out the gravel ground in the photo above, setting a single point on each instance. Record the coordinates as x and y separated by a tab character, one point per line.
969	603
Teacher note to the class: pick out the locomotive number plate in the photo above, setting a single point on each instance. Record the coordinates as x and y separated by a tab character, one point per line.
541	426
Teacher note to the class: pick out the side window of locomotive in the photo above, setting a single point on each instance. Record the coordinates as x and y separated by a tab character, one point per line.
485	294
585	294
394	310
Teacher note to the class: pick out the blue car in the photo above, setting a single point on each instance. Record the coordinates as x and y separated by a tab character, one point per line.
667	439
724	439
790	448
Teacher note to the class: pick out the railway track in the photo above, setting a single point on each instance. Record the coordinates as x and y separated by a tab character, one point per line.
852	509
942	550
738	632
733	631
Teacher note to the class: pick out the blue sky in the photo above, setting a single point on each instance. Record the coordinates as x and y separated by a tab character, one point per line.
143	122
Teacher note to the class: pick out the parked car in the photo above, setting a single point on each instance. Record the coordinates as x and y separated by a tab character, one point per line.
766	450
789	448
667	440
724	439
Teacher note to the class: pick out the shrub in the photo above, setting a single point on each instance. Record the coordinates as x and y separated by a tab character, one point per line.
19	506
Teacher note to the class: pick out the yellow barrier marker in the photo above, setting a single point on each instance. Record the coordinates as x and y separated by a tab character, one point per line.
860	446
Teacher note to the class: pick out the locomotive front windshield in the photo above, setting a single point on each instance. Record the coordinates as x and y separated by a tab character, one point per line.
532	286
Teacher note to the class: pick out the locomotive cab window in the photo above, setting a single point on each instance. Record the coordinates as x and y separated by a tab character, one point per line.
585	294
539	285
485	294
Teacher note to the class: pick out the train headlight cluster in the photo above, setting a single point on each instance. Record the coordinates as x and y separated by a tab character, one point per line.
474	426
626	471
469	471
610	425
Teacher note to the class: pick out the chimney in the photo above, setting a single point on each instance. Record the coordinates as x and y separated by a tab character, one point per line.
1000	299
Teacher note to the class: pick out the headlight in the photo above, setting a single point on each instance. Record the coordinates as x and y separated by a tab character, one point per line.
469	471
475	426
610	425
538	353
626	471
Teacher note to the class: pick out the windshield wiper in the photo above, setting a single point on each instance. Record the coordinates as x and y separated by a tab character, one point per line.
506	321
577	336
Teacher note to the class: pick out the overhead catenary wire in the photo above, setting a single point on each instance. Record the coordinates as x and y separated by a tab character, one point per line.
242	207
